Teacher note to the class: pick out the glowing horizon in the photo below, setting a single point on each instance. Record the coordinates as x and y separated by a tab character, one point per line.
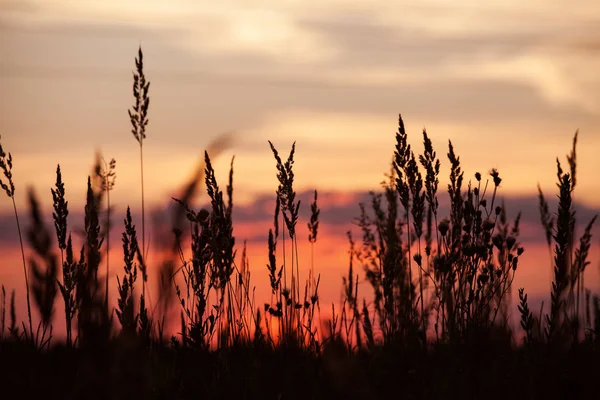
507	83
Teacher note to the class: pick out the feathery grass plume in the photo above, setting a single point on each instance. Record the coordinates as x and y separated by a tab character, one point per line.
565	220
527	319
287	196
6	164
61	211
285	191
107	174
44	278
289	210
71	270
546	218
125	313
400	164
93	320
138	116
578	268
454	190
222	230
313	225
59	215
431	163
313	229
350	288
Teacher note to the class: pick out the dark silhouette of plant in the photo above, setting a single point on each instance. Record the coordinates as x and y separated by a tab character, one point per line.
568	286
471	265
9	188
527	319
44	278
125	312
106	173
438	325
93	319
138	116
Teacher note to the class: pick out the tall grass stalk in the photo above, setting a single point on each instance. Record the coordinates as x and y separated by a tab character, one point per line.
44	270
125	312
69	266
9	188
139	120
108	176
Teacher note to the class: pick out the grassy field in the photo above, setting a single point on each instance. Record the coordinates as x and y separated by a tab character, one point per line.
435	325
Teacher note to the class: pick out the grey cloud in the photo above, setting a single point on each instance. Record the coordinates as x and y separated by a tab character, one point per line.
340	217
8	230
239	90
369	43
334	216
584	45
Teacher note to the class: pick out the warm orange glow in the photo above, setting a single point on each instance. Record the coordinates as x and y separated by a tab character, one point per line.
508	85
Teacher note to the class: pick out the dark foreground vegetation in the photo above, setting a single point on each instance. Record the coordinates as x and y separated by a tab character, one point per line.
437	324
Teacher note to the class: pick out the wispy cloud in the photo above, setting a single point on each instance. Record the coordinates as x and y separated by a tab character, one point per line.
339	210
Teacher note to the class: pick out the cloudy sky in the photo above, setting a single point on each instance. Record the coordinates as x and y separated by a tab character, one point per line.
508	82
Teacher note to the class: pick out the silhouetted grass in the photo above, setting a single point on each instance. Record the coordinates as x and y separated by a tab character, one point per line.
9	188
437	327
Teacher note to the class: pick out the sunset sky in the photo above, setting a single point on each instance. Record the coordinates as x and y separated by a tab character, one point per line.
507	81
